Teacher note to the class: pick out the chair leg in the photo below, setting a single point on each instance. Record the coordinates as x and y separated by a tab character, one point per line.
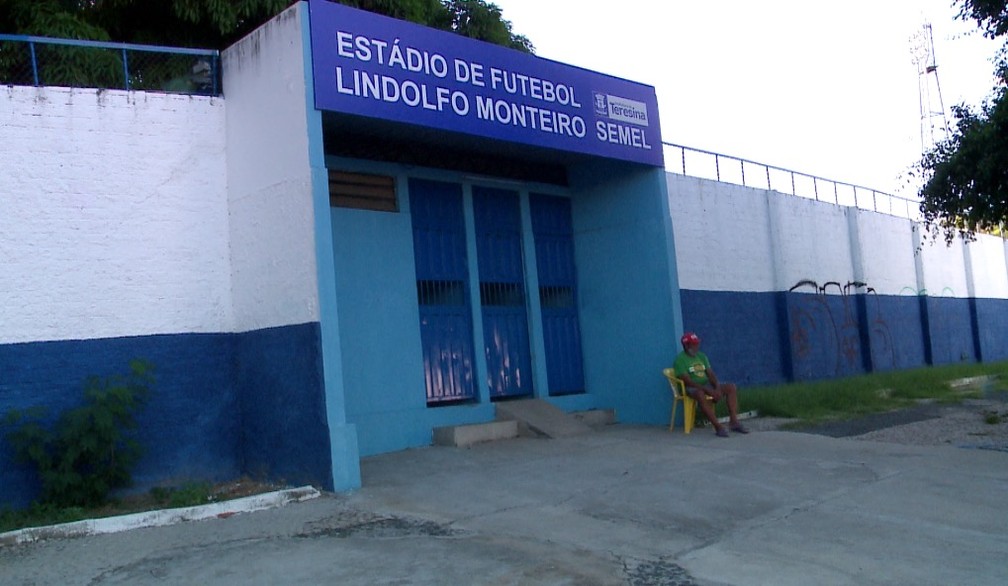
689	413
671	423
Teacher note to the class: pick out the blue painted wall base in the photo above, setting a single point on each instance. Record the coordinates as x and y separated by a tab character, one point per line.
284	433
992	330
223	405
777	337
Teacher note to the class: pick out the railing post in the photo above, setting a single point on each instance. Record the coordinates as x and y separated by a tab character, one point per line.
793	190
683	149
742	166
767	177
126	82
214	73
836	195
815	188
31	49
717	168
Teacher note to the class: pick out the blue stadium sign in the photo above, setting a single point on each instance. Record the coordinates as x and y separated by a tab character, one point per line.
379	67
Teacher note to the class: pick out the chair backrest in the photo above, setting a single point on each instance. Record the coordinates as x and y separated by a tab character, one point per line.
678	388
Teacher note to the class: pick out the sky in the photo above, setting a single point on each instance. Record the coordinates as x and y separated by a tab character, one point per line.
825	88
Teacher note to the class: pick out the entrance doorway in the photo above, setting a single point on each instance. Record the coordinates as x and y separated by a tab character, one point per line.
442	249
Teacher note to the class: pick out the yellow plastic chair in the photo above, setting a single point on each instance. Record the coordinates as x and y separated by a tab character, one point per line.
679	395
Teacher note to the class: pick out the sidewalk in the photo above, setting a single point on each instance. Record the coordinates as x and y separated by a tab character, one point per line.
625	505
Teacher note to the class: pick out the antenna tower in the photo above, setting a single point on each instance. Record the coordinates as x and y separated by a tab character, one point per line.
933	122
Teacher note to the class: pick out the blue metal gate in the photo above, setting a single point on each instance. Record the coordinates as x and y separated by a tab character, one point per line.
553	230
439	245
502	292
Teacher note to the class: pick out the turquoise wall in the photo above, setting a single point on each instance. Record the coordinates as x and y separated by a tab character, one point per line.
629	305
381	354
629	293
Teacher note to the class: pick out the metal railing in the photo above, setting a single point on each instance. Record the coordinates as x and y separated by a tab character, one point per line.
38	61
729	169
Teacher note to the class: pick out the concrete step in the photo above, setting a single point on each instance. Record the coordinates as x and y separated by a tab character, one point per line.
541	418
596	417
462	436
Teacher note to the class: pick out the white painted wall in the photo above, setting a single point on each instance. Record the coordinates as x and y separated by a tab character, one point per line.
269	178
811	241
113	214
882	251
722	239
734	238
133	213
944	269
988	267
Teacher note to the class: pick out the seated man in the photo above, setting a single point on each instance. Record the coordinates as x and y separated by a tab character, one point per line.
693	368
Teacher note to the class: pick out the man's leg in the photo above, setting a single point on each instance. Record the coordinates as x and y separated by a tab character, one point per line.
707	407
731	393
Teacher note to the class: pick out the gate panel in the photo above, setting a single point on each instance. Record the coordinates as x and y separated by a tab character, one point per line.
502	292
439	246
553	230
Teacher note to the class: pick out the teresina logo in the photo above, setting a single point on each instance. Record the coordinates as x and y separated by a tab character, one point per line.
622	109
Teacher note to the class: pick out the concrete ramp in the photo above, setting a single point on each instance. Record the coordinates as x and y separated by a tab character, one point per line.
541	418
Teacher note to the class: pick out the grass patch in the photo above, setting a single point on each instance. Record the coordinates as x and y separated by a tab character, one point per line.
187	495
847	398
39	515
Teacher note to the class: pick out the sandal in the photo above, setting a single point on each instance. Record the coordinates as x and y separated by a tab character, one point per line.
722	432
739	429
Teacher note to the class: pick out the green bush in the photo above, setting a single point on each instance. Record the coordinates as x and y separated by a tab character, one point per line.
87	452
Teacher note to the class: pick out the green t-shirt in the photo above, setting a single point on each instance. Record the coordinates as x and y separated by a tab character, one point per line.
694	366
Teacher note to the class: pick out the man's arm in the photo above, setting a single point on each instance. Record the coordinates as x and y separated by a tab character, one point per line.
712	378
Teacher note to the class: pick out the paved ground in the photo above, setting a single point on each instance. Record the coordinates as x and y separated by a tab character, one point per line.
624	505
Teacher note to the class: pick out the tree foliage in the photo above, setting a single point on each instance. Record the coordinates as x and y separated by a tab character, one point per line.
967	191
966	176
476	19
216	24
479	20
990	15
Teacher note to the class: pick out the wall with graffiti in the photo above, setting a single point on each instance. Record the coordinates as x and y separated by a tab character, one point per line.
786	288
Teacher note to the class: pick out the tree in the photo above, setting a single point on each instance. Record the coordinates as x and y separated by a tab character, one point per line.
478	20
205	24
216	24
55	18
966	176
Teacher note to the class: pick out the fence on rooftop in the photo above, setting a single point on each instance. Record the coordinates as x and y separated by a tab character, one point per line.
44	61
709	165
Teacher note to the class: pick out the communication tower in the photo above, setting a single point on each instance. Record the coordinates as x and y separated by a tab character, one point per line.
933	122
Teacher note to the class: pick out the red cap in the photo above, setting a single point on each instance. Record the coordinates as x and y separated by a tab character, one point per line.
689	338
